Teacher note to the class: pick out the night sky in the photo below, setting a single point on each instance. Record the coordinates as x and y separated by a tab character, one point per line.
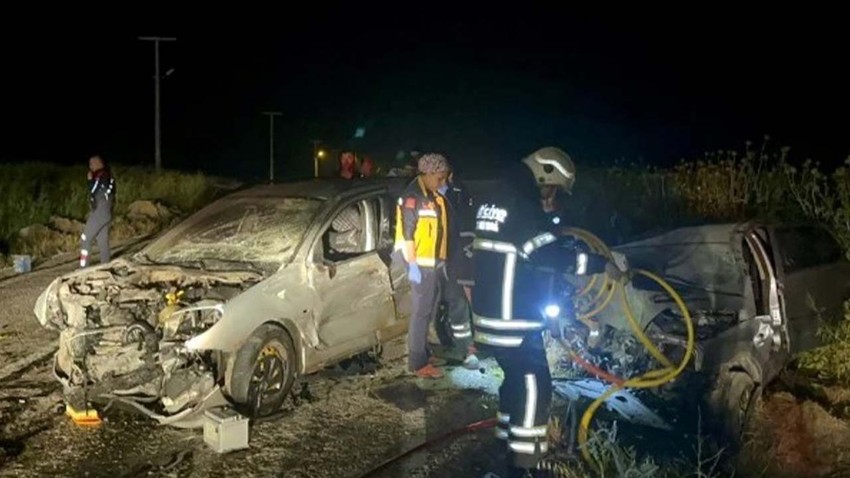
483	86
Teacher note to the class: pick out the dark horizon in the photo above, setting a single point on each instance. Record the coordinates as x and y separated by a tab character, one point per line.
482	89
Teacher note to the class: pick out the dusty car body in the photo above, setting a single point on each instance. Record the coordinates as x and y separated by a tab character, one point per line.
757	295
233	303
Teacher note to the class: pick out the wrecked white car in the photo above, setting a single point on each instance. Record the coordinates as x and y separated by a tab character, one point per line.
233	303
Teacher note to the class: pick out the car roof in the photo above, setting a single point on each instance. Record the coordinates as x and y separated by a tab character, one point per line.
322	188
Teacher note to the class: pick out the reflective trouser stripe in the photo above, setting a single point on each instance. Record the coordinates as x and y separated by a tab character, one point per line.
498	340
533	432
461	331
528	448
503	424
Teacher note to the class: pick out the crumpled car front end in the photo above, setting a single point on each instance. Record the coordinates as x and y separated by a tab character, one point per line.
123	329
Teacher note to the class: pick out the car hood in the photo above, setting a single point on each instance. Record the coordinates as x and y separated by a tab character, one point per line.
124	291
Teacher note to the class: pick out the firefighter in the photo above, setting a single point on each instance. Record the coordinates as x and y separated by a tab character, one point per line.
516	259
422	238
101	187
458	272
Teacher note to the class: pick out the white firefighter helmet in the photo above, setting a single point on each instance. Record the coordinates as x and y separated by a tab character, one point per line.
552	167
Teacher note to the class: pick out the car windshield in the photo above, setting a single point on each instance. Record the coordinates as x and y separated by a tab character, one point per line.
247	232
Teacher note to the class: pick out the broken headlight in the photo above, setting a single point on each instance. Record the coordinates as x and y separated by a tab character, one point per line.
185	323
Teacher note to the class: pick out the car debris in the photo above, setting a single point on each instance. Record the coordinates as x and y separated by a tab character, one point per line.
622	402
225	430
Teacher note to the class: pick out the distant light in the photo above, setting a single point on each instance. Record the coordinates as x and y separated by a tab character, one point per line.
552	311
321	153
556	220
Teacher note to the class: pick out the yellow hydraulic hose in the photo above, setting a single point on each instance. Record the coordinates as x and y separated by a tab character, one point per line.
587	286
636	329
652	378
597	246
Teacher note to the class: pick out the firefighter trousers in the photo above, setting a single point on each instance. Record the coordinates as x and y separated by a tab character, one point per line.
458	312
524	400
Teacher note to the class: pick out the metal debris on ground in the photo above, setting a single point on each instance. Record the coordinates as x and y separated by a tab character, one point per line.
622	402
225	430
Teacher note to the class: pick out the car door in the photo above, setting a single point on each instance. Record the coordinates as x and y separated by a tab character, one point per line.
354	294
815	278
396	266
771	340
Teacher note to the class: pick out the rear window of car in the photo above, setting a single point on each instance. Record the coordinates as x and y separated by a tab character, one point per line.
803	247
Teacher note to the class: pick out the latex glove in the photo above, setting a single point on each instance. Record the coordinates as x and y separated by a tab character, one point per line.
414	274
443	189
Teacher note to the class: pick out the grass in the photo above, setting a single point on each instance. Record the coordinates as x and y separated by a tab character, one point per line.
613	459
830	363
35	192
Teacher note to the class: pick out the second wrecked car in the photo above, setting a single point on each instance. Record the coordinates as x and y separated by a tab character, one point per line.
756	293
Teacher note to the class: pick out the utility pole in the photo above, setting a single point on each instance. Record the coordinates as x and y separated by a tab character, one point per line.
156	124
271	115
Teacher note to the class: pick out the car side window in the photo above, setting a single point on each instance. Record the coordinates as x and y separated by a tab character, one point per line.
351	233
386	224
806	246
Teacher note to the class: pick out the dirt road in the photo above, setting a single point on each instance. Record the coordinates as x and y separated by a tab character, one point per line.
340	424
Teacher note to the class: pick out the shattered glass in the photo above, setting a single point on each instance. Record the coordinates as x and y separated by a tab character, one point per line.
245	232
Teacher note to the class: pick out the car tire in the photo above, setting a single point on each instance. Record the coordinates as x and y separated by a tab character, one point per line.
738	402
262	372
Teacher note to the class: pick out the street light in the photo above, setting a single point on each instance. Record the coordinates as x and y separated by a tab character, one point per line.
317	155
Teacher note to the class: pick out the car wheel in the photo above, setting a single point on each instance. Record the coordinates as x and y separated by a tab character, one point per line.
262	372
740	396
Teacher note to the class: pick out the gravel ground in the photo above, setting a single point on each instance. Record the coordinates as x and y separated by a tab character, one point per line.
344	424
